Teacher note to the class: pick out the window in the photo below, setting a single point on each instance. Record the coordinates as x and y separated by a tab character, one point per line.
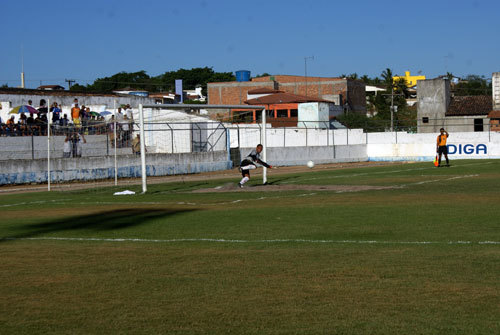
294	113
425	120
282	113
478	124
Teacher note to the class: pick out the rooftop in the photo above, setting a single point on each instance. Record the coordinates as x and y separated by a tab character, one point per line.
470	105
263	90
283	98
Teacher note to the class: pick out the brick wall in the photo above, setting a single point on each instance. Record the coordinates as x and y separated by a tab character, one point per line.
235	93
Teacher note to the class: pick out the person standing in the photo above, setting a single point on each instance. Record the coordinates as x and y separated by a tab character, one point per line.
75	112
249	163
441	146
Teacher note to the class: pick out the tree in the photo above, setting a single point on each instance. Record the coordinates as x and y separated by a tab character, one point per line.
265	74
78	88
473	85
387	78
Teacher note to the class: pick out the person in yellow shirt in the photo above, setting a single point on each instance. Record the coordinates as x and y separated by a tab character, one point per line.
75	112
441	146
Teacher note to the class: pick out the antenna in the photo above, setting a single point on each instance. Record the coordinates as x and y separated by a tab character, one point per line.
70	82
305	68
22	66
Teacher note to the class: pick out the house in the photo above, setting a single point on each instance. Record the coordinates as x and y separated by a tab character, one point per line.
50	88
348	93
437	108
287	110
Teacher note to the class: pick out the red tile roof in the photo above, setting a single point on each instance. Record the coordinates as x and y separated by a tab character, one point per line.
283	98
470	105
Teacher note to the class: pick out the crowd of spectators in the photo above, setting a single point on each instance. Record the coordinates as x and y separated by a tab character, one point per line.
81	121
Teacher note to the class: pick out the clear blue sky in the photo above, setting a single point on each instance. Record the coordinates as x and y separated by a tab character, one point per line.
89	39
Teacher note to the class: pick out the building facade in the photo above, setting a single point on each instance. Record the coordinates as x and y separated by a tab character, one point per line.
344	92
436	109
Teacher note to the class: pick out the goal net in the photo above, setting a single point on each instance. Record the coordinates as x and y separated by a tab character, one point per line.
182	139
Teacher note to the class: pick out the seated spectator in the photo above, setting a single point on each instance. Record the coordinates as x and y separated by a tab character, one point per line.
11	126
30	123
38	126
22	125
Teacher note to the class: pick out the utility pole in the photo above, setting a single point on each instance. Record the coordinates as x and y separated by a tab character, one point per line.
70	82
305	68
392	105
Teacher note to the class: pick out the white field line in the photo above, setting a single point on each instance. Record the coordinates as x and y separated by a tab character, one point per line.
381	172
154	202
438	180
235	241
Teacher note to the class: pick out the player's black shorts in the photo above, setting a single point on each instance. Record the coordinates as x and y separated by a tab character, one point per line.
246	162
443	149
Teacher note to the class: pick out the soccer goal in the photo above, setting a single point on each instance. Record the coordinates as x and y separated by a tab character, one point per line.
163	130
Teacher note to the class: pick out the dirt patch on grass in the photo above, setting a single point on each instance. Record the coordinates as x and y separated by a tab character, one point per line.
232	187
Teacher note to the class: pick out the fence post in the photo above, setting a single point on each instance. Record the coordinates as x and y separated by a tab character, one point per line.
284	137
333	143
32	146
306	132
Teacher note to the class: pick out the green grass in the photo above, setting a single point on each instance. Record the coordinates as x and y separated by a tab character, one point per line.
290	262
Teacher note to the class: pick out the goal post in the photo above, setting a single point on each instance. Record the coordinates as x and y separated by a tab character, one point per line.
196	107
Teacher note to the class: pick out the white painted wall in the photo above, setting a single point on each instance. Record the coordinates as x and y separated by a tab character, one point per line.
380	146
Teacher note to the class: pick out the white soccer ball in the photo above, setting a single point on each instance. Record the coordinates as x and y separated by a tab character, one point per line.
310	164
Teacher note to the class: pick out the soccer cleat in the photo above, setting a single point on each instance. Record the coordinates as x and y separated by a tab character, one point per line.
239	185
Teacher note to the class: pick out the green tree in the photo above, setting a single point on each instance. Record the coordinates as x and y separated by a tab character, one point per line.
473	85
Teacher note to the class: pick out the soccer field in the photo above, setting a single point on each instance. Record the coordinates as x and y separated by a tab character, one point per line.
383	249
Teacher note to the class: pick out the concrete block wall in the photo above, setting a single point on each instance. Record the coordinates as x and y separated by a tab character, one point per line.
290	156
96	168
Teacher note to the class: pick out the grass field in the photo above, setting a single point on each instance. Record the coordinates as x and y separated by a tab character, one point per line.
420	256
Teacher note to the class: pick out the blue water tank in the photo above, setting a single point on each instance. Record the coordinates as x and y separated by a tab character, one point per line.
242	75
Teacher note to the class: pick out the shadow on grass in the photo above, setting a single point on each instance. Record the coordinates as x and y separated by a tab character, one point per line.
278	180
101	221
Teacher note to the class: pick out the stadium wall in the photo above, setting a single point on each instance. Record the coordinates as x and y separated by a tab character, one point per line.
290	156
402	146
95	168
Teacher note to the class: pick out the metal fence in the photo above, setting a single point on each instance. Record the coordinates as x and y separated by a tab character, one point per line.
103	140
99	139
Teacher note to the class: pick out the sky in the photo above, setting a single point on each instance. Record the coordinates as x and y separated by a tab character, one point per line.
86	40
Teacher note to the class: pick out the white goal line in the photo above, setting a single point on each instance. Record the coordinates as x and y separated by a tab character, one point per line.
234	241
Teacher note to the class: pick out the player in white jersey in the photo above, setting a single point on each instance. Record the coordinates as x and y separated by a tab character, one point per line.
250	163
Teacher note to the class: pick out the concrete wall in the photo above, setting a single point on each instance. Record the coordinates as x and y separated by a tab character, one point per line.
495	80
433	98
290	156
422	147
95	168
